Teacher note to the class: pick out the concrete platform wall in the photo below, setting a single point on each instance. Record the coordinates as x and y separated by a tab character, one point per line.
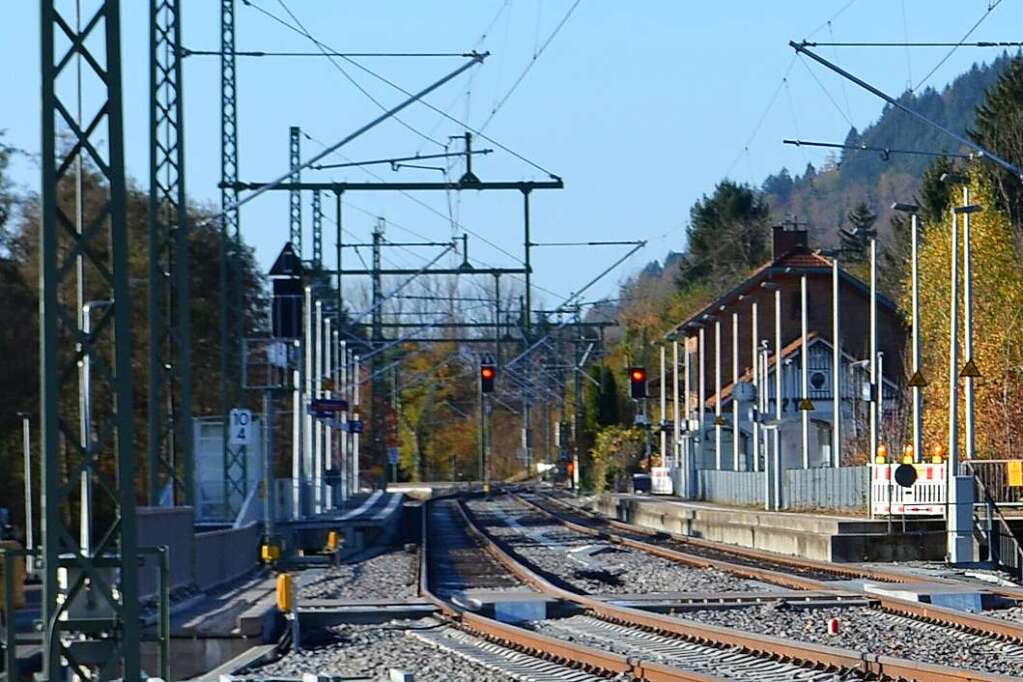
205	559
224	555
813	536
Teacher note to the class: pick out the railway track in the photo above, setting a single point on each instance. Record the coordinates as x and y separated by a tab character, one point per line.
612	640
739	561
976	641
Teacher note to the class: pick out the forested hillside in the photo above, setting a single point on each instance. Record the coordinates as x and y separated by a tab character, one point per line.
823	197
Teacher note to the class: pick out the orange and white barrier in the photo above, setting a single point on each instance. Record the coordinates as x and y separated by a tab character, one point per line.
925	497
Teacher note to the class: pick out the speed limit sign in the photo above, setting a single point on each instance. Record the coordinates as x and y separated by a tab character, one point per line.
240	427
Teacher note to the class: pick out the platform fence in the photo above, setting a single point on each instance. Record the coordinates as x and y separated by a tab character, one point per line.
845	488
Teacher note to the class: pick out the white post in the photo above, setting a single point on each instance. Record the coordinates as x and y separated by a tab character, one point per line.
874	377
777	368
917	405
836	369
307	394
717	395
26	445
85	483
735	382
676	426
355	436
296	446
318	425
968	324
804	357
343	436
755	360
687	443
330	339
702	397
664	405
764	404
952	463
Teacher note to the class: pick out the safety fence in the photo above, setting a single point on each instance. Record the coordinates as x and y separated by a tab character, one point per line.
1002	479
824	488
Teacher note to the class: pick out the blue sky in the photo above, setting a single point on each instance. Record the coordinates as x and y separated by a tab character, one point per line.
640	106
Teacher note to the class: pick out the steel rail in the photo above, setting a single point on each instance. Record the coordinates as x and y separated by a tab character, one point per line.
753	643
960	620
527	641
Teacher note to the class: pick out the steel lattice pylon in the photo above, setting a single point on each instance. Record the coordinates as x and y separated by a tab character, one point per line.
295	196
110	565
317	232
170	441
231	312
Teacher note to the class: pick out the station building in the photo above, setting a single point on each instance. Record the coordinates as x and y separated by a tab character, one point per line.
720	344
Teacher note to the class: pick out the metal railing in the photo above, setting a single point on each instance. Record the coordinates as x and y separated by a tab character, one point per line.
1002	478
1004	547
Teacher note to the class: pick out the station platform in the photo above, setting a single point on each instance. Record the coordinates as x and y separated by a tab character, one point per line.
366	519
811	535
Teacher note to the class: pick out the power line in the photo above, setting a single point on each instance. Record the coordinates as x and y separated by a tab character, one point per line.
991	6
337	66
884	151
186	52
532	62
982	43
374	74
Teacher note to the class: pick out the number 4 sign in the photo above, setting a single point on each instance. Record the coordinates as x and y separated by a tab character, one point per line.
240	427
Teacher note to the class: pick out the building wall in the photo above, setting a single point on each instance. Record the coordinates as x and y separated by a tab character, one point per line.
855	311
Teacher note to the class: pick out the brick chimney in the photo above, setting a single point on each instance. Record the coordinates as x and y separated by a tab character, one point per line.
789	238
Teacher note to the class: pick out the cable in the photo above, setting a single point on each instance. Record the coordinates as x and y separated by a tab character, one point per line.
827	93
905	36
831	18
397	87
763	116
532	62
991	6
834	52
329	54
422	203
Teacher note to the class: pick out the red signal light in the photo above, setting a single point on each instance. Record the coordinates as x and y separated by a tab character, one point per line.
637	383
487	372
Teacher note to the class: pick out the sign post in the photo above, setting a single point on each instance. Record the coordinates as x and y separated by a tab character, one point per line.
240	428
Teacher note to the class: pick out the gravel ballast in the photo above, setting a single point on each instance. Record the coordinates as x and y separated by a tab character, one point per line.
371	651
390	576
595	566
873	631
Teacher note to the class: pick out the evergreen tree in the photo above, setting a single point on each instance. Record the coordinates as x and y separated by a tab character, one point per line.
854	241
999	128
727	235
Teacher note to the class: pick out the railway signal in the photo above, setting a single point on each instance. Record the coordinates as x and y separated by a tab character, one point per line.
637	383
487	375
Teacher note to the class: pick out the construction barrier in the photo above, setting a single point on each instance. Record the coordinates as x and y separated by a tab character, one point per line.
924	498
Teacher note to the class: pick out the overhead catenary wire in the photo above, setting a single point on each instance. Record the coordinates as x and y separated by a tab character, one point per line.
870	148
302	31
990	8
330	54
186	52
532	62
763	117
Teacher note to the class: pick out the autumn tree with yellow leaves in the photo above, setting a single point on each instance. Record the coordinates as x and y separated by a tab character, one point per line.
997	322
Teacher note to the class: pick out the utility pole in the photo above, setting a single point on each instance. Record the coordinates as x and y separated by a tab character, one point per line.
379	404
105	249
169	438
295	196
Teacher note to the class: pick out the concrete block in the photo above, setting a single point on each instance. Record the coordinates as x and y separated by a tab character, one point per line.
960	598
